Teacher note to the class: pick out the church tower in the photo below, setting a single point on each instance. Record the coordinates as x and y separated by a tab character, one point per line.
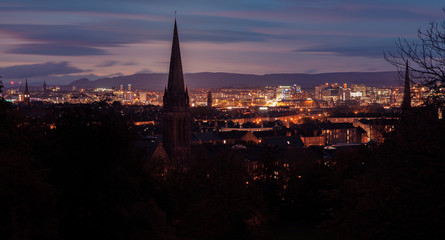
176	117
209	99
406	102
44	88
26	93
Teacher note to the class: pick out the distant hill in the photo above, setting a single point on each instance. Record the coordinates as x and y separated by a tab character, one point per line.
158	81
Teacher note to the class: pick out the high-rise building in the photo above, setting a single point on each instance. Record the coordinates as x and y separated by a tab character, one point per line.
359	88
296	89
283	93
143	97
319	91
176	117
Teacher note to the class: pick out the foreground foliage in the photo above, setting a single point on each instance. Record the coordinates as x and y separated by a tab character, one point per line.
88	176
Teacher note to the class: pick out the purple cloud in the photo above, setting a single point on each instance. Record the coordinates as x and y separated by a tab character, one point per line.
111	63
129	63
107	64
39	70
56	50
91	39
353	47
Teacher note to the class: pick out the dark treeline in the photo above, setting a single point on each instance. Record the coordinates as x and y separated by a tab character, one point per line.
86	175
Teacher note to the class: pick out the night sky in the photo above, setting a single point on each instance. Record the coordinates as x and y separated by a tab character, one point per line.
45	39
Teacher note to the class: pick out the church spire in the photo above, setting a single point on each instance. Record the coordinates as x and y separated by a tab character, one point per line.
26	93
209	99
176	118
175	87
26	86
406	103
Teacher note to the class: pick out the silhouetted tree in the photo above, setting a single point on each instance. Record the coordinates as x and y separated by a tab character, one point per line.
373	108
101	188
426	60
1	85
392	192
213	199
27	201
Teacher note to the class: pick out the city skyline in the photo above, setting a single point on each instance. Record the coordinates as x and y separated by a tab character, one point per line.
98	39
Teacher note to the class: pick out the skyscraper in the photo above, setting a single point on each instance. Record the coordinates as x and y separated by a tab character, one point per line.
176	117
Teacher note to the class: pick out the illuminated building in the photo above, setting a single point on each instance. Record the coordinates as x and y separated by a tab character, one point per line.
143	97
359	88
284	93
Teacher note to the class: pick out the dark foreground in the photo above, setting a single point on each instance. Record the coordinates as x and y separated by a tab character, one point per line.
91	176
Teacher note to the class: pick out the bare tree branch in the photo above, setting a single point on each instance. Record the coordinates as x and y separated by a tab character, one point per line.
426	56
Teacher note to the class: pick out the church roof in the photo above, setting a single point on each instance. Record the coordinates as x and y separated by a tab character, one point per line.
249	137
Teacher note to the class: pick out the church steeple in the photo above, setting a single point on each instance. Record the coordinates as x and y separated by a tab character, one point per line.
176	117
26	93
209	99
406	103
175	98
175	76
26	86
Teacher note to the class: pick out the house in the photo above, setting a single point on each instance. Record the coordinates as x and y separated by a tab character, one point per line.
334	133
376	129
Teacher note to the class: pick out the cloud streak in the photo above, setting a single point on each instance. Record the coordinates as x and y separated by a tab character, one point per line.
107	64
252	36
112	63
39	70
73	40
350	51
352	47
93	39
56	49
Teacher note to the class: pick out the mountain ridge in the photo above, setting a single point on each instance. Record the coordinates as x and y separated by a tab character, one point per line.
158	81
